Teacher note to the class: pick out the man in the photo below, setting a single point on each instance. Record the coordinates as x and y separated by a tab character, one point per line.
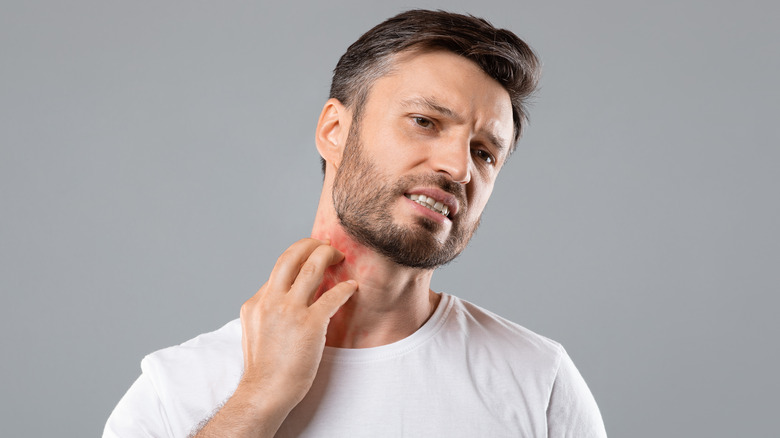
346	338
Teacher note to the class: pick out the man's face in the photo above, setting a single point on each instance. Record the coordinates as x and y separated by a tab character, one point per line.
436	130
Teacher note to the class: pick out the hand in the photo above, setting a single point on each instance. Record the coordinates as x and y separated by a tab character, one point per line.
284	328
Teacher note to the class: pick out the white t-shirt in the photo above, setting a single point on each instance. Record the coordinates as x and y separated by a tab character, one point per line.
465	373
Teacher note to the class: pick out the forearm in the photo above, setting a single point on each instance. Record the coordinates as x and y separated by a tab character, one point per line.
246	414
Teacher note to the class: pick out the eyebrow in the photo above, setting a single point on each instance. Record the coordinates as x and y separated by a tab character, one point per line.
434	105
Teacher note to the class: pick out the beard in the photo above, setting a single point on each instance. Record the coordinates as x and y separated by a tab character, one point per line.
363	198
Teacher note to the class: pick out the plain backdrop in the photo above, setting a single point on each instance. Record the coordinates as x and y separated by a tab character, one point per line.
156	157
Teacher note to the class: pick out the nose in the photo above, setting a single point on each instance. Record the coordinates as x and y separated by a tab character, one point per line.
454	159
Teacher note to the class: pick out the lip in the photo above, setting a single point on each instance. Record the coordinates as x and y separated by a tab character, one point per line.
427	212
439	195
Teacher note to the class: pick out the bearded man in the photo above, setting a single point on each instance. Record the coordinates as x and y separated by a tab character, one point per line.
346	338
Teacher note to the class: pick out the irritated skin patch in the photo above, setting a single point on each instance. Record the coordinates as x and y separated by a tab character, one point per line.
353	266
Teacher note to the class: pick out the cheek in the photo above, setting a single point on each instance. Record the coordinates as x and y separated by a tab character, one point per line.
396	150
479	198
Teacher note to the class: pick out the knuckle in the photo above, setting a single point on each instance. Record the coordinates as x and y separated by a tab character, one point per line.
286	257
308	269
248	310
247	306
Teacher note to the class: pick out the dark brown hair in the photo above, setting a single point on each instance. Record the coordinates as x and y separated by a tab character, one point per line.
498	52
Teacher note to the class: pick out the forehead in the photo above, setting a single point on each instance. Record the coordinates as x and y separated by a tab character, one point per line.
452	81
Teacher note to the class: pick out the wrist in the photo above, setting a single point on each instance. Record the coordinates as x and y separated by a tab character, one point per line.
263	400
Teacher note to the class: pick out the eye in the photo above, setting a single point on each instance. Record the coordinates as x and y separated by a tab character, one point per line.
422	122
484	156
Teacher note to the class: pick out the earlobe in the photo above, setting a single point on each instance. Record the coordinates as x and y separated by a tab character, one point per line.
332	129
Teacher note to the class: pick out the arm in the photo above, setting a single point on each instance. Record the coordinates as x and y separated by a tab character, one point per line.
139	413
283	337
572	410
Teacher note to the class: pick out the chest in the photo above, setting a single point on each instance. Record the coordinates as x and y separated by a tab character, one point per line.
421	396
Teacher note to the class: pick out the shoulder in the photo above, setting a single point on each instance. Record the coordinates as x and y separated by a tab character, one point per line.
180	386
541	367
194	378
209	350
489	329
210	357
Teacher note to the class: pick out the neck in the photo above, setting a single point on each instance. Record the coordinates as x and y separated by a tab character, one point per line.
391	302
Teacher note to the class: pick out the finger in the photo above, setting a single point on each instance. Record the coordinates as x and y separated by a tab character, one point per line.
289	263
312	271
330	302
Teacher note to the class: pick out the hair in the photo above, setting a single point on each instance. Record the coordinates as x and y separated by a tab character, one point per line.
498	52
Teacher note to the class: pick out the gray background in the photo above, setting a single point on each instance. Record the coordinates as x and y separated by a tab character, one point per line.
158	156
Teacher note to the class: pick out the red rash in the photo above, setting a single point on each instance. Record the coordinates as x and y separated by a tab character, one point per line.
349	268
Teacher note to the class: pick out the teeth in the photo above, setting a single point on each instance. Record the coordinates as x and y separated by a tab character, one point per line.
431	203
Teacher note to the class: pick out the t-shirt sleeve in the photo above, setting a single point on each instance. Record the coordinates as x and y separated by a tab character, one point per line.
572	411
140	413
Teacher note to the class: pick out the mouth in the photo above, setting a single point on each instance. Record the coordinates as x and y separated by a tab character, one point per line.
430	203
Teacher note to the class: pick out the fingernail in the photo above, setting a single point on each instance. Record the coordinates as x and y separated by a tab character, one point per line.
352	282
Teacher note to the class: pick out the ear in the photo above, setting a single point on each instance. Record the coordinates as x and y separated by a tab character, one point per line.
332	131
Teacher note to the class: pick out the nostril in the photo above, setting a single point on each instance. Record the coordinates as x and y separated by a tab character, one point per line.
457	175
